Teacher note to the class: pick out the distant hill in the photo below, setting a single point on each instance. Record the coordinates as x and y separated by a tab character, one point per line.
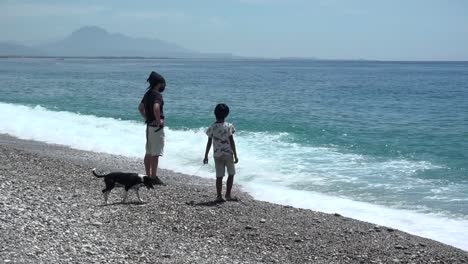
13	49
94	41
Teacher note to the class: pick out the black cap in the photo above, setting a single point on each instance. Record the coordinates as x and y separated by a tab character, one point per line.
155	78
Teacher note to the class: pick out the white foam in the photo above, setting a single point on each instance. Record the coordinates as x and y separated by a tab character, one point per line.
78	131
269	166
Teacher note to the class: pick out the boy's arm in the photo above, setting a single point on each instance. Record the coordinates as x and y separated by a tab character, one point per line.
233	146
207	150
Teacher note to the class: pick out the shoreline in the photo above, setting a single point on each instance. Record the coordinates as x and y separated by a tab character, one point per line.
51	212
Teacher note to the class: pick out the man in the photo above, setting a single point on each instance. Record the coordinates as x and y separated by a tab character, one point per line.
151	109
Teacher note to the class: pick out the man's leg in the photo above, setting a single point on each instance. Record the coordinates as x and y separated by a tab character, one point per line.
154	160
147	164
147	159
154	169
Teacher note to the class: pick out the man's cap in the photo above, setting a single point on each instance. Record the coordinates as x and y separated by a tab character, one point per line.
155	78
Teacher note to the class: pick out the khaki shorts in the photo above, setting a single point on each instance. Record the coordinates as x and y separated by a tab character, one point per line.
154	141
223	163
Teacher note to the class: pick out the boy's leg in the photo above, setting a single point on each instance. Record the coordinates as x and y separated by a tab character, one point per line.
219	167
231	169
219	188
230	181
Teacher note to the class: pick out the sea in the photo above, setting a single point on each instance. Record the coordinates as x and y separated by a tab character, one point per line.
382	142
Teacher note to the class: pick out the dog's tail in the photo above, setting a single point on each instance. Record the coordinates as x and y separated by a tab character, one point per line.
97	175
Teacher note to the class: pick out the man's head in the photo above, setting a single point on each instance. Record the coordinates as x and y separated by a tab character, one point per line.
156	81
221	111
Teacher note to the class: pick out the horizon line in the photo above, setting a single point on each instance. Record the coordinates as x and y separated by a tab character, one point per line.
225	58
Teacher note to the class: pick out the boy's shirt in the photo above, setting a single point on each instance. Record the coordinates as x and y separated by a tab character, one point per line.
220	132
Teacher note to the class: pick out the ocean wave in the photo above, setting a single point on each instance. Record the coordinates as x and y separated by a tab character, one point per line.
271	167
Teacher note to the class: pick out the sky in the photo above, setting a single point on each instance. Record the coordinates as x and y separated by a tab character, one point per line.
325	29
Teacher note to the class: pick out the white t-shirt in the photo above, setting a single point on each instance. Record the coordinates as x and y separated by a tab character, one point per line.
220	132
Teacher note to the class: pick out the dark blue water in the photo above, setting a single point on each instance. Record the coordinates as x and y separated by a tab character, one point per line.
413	110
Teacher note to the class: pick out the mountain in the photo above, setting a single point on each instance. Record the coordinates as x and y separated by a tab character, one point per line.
92	41
13	49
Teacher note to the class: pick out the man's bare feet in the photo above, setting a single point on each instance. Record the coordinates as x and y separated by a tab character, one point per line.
232	199
157	181
219	199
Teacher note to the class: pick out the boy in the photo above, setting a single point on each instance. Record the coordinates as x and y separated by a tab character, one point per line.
224	150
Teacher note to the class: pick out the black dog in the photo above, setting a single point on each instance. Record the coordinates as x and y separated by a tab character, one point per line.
127	180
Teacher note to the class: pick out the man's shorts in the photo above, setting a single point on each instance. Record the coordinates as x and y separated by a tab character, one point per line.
223	163
154	141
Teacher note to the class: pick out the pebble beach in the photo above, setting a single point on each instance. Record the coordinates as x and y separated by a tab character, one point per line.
51	211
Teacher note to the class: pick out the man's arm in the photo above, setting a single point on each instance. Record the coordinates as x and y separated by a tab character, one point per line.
157	114
207	150
141	108
233	147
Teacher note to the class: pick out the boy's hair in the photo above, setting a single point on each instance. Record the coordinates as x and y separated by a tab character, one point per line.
221	111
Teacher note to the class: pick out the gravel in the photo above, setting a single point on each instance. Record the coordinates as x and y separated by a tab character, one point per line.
51	212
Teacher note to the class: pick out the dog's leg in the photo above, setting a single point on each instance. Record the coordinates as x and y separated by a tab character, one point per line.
124	200
109	186
106	195
138	195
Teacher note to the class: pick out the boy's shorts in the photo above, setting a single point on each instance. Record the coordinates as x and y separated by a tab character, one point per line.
154	141
223	163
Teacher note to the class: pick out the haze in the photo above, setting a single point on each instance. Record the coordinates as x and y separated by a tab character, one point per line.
327	29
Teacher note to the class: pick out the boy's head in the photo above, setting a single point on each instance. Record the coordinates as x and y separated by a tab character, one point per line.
221	111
